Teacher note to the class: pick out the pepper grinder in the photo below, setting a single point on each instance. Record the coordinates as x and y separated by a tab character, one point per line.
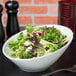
2	35
12	21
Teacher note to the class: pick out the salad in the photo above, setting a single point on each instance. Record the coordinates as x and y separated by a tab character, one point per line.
37	42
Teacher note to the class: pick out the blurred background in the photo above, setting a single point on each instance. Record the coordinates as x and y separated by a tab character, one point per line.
35	12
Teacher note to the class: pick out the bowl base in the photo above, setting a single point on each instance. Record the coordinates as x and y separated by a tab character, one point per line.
40	70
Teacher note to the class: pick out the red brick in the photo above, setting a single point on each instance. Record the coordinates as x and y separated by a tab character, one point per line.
0	1
45	1
22	20
4	10
33	9
21	1
25	20
45	20
54	10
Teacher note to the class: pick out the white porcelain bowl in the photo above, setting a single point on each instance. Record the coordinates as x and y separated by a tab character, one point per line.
40	63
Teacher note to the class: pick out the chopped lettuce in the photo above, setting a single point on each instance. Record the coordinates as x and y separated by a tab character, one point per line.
40	52
38	28
29	29
20	36
52	35
52	47
48	44
13	45
38	41
13	54
29	55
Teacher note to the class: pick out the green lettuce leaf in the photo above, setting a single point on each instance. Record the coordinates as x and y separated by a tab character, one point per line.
52	47
29	29
40	52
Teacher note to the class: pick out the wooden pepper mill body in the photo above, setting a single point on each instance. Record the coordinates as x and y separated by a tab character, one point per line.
2	35
12	22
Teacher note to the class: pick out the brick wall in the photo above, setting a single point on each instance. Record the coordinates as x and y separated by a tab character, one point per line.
35	12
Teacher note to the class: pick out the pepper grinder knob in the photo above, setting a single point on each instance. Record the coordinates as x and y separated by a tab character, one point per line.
12	22
10	5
